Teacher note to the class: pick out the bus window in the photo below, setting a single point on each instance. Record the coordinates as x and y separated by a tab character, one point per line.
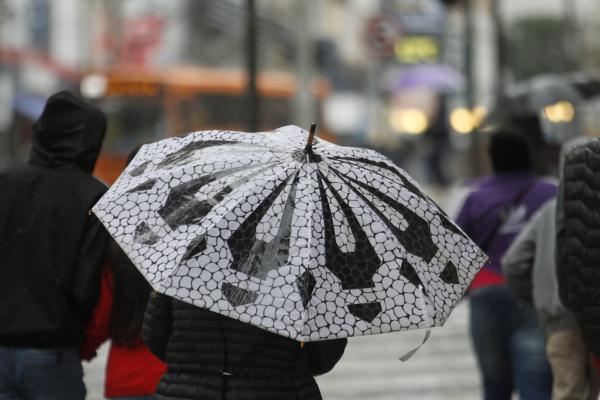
131	121
223	111
275	112
149	105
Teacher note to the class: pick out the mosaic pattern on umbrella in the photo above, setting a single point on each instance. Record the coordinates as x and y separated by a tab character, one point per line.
339	244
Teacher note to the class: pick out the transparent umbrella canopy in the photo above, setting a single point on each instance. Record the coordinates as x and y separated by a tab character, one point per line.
310	241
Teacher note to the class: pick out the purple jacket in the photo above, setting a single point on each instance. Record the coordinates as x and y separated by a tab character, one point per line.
492	201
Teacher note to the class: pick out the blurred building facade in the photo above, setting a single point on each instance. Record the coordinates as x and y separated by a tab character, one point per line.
361	48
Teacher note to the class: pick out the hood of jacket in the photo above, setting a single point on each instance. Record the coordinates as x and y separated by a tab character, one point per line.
69	133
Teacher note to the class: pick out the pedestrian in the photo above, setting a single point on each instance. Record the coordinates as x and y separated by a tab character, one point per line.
530	272
508	342
131	371
437	134
52	248
210	356
578	248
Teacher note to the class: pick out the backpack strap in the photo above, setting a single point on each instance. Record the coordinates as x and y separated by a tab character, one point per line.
502	215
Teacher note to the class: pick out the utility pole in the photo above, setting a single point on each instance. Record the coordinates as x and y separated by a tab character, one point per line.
501	51
252	97
469	36
115	33
469	32
304	64
570	29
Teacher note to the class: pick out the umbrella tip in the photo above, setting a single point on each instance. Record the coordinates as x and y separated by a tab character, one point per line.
311	137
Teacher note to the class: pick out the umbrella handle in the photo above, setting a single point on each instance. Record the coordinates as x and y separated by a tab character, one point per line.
311	137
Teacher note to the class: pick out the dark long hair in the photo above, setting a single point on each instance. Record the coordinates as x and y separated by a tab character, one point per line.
131	292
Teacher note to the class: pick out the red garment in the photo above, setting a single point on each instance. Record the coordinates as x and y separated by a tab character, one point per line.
596	361
129	371
487	277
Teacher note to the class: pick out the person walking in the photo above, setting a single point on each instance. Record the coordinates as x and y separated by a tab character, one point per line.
578	248
132	372
213	357
530	272
508	342
52	249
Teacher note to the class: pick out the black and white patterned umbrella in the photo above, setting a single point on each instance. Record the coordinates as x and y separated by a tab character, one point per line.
330	243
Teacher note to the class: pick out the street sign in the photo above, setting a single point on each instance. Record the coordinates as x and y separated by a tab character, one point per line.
381	33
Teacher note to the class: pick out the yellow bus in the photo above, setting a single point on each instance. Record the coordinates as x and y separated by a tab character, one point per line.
148	105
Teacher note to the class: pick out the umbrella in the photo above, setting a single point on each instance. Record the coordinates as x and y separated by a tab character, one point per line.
437	77
530	96
311	242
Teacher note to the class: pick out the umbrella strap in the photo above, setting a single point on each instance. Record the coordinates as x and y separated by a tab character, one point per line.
412	352
427	317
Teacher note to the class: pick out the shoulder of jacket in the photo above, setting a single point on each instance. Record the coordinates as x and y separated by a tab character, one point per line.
90	181
546	212
548	180
15	170
100	182
579	149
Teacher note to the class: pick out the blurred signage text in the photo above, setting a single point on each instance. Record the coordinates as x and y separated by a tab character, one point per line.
417	49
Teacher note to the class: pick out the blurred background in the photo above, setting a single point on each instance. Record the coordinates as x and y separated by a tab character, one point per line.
421	81
414	79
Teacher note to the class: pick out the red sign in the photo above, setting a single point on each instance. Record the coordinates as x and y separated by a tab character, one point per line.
381	32
141	36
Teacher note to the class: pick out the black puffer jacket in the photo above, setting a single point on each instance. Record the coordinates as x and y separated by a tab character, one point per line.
210	356
51	247
578	243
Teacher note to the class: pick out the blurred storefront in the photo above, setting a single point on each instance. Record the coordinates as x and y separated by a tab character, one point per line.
412	78
157	68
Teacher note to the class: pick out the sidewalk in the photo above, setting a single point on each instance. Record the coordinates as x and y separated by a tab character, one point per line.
444	368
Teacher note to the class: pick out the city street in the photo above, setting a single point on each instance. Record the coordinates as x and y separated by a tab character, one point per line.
316	168
444	368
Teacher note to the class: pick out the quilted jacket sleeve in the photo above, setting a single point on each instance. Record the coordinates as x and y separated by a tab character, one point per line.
324	355
157	324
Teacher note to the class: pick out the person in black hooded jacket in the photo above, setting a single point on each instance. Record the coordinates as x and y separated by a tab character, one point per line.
213	357
51	251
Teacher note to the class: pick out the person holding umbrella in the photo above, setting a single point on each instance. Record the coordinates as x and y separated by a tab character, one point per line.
52	248
267	251
210	356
